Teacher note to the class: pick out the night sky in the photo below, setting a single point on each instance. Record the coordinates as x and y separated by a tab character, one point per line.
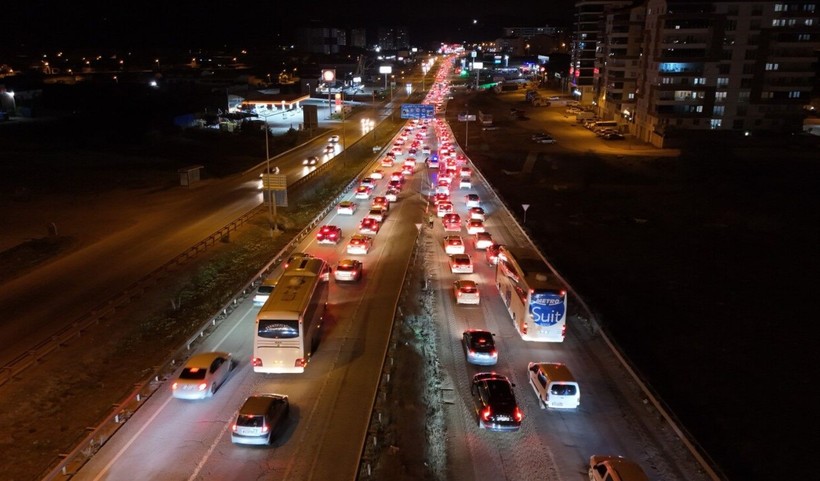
184	23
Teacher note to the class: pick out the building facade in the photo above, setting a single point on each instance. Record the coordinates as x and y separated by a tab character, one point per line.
393	38
666	67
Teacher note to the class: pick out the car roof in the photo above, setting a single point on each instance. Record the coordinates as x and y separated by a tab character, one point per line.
260	403
467	283
204	359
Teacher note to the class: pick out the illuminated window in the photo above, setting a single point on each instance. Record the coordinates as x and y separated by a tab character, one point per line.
699	81
718	110
715	123
722	81
772	66
720	96
794	94
778	22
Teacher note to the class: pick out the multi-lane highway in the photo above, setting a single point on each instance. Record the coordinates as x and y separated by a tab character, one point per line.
330	403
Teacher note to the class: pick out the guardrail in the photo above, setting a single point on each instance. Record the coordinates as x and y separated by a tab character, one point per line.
71	463
107	308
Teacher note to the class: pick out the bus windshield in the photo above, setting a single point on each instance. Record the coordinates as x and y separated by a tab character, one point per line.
278	329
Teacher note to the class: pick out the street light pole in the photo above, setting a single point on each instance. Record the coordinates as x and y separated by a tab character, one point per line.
466	127
271	217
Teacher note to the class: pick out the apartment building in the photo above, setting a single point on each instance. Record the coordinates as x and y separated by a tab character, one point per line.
665	68
589	28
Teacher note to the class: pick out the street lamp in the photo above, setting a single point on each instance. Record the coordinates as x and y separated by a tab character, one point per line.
271	204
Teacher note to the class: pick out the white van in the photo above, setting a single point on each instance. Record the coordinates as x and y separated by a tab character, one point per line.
554	385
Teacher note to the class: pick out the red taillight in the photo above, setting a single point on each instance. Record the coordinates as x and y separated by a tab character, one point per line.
486	413
494	353
458	293
518	415
265	428
174	386
301	362
524	328
256	362
202	386
234	428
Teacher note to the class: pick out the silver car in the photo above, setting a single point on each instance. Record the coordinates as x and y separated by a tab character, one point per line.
259	417
202	375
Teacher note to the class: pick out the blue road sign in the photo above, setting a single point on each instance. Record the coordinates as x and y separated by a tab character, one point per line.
417	111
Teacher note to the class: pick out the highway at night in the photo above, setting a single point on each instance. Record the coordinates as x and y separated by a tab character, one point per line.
331	401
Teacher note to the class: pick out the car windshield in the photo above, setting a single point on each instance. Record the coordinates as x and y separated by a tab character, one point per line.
265	289
250	421
193	373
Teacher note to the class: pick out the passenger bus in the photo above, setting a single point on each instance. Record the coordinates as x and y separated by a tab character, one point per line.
535	298
287	327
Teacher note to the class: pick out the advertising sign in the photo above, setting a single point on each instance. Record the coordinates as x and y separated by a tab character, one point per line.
546	308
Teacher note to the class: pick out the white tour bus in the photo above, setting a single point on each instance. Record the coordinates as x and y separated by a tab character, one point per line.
287	326
535	298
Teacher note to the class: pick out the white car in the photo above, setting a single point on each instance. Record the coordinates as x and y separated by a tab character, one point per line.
377	213
465	172
348	270
359	244
263	292
444	208
477	213
333	139
482	240
363	192
466	292
346	207
474	226
453	244
461	264
472	200
377	174
202	375
465	183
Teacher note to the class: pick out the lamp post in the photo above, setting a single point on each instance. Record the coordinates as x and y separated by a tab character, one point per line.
271	203
466	126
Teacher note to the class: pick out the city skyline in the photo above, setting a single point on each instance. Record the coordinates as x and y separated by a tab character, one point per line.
33	25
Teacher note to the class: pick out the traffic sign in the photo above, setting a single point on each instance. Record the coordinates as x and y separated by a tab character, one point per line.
417	111
274	182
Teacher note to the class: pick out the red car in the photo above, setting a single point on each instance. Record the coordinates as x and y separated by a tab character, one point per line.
329	234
